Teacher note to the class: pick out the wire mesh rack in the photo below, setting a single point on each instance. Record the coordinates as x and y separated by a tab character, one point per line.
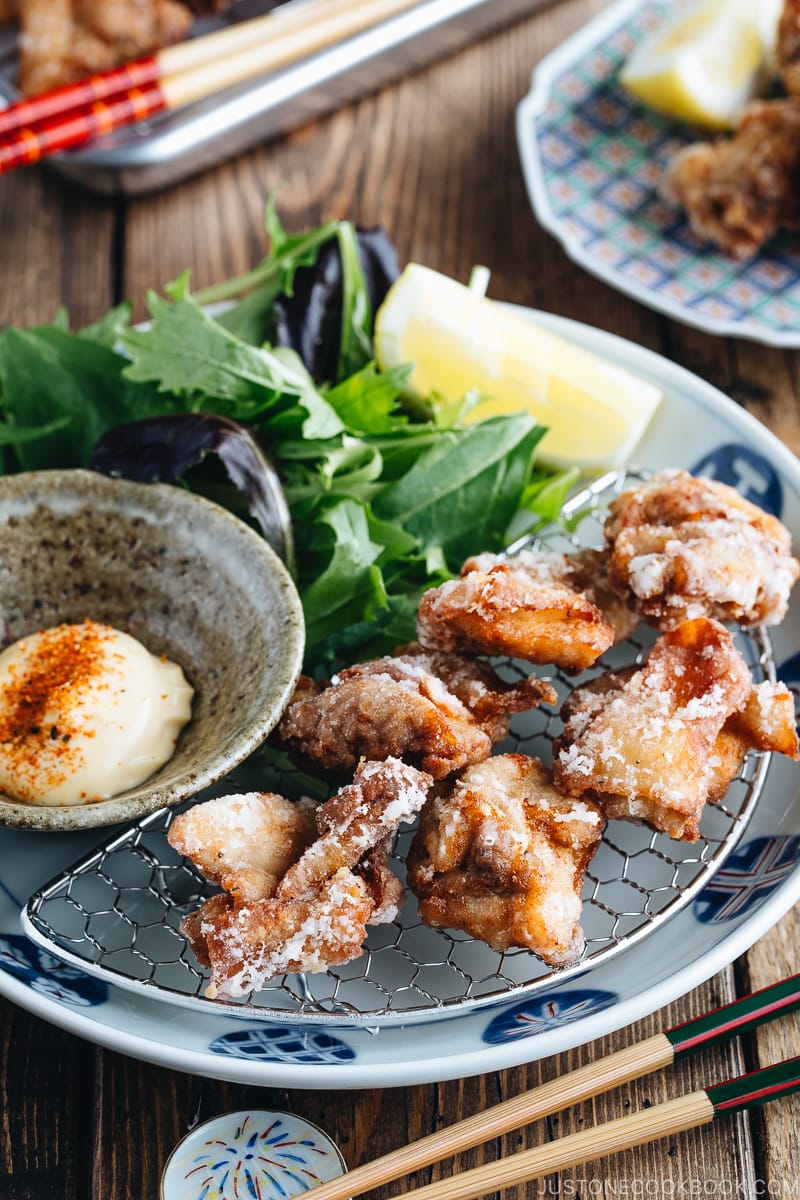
116	913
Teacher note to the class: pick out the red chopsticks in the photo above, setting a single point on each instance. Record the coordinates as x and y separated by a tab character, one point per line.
70	116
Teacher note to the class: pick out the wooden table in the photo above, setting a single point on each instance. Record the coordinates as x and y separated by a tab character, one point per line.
434	161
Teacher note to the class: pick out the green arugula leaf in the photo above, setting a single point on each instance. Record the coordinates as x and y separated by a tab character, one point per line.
368	402
185	351
463	491
351	586
108	330
72	389
355	349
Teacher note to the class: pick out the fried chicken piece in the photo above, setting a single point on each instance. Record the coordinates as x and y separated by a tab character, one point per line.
501	855
318	914
437	711
245	843
766	722
788	46
683	547
63	40
524	606
739	191
489	699
644	748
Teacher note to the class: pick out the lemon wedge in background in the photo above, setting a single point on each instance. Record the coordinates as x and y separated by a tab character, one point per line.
707	60
459	341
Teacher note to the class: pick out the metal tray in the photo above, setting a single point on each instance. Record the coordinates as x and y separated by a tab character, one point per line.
171	147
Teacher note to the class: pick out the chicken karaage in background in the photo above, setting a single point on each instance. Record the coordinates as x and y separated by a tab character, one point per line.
62	41
315	915
501	855
738	192
682	547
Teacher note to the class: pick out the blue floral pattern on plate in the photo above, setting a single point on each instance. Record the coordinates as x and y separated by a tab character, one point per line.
283	1043
533	1016
594	158
747	471
44	974
748	878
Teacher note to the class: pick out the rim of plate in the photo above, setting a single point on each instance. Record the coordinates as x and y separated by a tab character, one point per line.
459	1062
530	108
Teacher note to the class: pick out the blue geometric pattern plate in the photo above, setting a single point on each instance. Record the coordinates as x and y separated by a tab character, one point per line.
593	156
695	427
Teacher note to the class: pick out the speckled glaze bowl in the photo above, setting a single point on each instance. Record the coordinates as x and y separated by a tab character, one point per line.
182	575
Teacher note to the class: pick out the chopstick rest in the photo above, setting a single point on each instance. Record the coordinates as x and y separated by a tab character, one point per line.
633	1062
269	1155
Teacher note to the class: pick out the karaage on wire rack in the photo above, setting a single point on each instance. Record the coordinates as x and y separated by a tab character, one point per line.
439	712
526	606
501	854
315	915
645	743
682	547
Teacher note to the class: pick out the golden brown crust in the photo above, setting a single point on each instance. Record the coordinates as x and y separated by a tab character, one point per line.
523	606
682	547
501	855
643	745
64	40
315	915
436	710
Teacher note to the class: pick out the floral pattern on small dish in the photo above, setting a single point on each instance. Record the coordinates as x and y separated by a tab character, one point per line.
261	1155
531	1017
284	1043
45	974
748	878
593	158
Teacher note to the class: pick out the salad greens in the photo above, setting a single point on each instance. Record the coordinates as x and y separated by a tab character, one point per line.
383	505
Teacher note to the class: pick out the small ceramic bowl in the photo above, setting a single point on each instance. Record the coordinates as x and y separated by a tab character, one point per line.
182	575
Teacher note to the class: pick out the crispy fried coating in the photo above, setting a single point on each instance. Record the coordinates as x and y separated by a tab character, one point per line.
318	913
766	722
245	843
738	192
525	606
489	699
682	547
643	745
501	855
437	711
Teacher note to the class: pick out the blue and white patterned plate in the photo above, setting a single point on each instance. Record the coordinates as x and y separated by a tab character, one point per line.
696	427
593	157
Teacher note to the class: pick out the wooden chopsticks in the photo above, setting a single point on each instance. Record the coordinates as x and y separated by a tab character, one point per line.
633	1062
662	1120
70	116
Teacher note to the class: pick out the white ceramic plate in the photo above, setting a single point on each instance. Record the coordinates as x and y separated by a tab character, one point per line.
697	428
593	158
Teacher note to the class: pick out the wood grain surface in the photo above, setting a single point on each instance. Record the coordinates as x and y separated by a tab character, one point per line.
432	159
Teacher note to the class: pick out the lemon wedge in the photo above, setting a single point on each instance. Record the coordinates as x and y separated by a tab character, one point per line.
460	342
706	61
